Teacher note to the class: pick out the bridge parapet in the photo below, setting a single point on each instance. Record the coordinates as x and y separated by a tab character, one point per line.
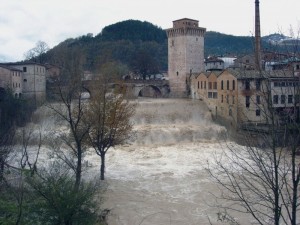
135	88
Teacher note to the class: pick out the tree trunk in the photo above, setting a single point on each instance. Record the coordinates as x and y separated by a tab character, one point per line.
78	170
1	169
102	168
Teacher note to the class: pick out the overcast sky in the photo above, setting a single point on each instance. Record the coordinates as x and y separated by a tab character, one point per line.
24	22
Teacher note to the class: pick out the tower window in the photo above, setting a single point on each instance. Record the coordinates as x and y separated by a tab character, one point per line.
275	99
247	85
230	112
247	101
257	112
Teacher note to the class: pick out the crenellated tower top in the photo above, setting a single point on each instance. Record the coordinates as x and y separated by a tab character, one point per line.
185	26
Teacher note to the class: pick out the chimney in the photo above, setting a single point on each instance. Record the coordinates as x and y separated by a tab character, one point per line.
257	37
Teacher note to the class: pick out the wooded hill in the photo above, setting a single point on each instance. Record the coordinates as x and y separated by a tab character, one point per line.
140	47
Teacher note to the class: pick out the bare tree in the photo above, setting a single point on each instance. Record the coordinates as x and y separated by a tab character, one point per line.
262	177
71	110
37	53
109	116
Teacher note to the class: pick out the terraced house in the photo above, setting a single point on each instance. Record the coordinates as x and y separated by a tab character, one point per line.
242	97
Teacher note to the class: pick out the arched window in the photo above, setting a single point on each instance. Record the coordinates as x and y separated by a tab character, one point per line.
222	85
233	85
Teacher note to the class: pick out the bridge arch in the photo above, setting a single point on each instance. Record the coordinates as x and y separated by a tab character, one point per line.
150	91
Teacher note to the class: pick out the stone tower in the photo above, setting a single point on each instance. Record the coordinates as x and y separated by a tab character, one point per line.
257	37
185	54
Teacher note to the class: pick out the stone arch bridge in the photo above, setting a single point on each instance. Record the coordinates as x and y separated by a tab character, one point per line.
135	88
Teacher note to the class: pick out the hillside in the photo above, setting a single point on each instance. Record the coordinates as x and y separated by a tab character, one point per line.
140	46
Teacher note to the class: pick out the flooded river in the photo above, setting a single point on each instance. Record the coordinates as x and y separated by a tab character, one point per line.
160	177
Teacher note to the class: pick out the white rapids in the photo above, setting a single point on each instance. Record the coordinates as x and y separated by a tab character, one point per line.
160	178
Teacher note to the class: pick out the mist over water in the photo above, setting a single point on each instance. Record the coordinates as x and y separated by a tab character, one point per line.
160	177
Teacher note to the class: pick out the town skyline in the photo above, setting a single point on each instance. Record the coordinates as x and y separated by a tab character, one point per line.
23	24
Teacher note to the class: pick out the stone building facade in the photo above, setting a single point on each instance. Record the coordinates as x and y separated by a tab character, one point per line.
11	78
239	95
33	83
185	54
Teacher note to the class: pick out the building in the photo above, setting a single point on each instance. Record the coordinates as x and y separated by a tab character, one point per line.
214	63
242	97
11	78
185	54
33	80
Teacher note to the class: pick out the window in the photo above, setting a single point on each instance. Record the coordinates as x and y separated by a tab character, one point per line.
222	98
215	95
177	73
233	85
25	80
215	85
257	84
222	85
282	98
233	99
201	85
228	85
172	42
209	95
204	84
275	99
290	99
247	85
230	112
297	67
257	112
247	101
24	69
257	99
227	99
209	85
